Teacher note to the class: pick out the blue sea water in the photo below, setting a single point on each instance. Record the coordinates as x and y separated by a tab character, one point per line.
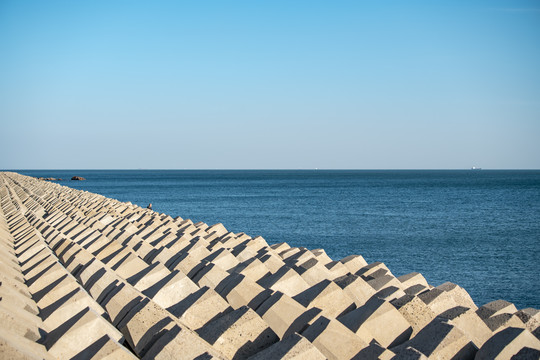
479	229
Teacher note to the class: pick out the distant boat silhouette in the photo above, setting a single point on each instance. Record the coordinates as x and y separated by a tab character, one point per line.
476	168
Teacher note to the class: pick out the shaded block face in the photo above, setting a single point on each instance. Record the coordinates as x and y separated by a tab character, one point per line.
19	323
223	258
527	353
239	334
438	300
180	343
148	276
280	247
380	320
440	340
143	324
105	348
129	265
390	293
507	343
79	332
13	346
119	301
410	353
321	256
328	297
11	297
242	291
469	323
499	314
252	268
284	315
415	311
68	306
243	252
285	280
501	321
337	269
291	251
415	289
373	270
55	290
218	228
458	294
496	307
271	260
333	339
189	260
200	307
210	275
412	279
353	263
171	289
384	281
530	317
313	272
356	287
294	347
47	276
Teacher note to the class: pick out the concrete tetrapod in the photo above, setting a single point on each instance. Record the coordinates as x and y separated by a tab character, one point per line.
507	343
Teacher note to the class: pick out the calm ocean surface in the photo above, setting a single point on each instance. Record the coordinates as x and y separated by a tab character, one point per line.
479	229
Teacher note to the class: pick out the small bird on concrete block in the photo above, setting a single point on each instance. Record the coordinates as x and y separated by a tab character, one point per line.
149	206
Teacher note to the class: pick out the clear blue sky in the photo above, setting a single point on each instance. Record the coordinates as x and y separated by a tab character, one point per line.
269	84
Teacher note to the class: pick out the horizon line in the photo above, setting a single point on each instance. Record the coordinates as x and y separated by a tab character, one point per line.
270	169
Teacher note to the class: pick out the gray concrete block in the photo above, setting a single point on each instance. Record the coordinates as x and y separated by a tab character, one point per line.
440	340
79	332
507	343
253	268
334	340
411	279
223	258
328	297
415	311
15	347
530	317
20	322
285	280
238	334
171	289
272	261
460	296
294	347
337	269
356	287
143	324
240	290
200	307
312	271
285	315
469	323
438	300
181	343
496	307
380	320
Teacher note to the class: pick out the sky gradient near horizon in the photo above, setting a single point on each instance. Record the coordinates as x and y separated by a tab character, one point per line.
270	84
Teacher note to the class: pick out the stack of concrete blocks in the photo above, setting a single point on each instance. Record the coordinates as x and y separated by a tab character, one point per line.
87	277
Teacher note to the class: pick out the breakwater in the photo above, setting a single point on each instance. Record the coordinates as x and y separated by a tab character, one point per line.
86	276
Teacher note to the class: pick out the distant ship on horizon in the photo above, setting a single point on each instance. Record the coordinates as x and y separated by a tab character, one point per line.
476	168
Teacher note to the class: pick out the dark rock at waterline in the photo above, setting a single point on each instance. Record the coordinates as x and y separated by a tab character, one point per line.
77	178
49	179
